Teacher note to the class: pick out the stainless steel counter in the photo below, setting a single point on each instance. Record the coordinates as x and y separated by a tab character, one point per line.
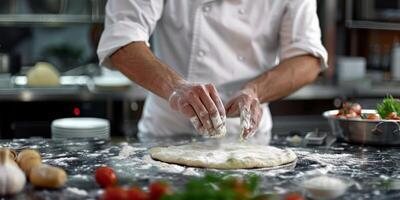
85	93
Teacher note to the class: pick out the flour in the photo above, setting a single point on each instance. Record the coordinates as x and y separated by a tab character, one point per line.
325	187
127	151
324	183
78	176
165	167
77	191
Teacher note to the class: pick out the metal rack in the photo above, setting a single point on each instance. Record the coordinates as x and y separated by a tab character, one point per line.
366	24
15	17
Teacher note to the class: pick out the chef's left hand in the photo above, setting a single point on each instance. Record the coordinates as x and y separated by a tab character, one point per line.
247	106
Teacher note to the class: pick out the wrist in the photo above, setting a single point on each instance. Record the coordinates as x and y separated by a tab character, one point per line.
252	90
172	87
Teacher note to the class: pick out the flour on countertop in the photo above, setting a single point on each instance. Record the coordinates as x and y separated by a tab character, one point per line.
77	191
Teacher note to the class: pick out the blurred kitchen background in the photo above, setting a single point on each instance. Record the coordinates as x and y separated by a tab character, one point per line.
49	68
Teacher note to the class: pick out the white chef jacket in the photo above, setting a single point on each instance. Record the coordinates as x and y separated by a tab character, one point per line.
224	42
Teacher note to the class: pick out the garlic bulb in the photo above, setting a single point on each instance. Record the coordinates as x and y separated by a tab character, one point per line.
12	153
12	179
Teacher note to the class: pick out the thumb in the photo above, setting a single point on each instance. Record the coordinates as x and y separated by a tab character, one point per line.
232	109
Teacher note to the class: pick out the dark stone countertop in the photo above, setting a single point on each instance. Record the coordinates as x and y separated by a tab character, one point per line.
375	169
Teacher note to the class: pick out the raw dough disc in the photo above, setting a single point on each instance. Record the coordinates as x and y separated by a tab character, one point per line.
224	156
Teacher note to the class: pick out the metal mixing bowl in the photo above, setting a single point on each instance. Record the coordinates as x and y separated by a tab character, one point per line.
364	131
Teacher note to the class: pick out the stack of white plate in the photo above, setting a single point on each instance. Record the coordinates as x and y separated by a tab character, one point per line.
80	127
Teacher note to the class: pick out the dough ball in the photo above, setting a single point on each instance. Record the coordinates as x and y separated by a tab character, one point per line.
43	74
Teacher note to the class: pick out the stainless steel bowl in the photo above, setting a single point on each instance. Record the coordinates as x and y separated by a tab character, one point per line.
364	131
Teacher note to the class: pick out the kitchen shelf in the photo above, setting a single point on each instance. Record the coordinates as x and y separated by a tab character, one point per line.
48	19
360	24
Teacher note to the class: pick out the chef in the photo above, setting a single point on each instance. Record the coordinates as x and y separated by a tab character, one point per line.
216	63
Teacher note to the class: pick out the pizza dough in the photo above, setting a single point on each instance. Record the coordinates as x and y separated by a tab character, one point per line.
224	156
42	75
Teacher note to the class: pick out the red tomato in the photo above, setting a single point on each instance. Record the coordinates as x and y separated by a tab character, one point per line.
356	108
115	193
239	188
351	115
137	194
373	117
105	177
393	115
294	196
158	189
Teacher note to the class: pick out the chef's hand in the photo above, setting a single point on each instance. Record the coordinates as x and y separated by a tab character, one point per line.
202	104
246	105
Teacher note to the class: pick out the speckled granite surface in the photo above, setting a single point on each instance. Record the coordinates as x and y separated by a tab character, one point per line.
374	169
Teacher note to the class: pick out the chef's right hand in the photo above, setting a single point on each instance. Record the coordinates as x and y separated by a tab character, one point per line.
202	105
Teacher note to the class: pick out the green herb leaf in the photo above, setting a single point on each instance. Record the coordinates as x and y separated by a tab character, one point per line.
388	105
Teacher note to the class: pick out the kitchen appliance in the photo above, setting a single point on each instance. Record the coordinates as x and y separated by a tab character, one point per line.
364	131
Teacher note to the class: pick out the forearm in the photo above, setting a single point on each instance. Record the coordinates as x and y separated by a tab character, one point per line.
289	76
139	64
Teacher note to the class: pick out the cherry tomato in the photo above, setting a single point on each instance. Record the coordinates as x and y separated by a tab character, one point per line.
115	193
159	189
294	196
393	115
373	117
105	177
137	194
239	187
356	108
351	115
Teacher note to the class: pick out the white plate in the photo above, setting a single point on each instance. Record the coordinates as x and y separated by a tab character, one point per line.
80	123
84	133
79	130
69	134
97	136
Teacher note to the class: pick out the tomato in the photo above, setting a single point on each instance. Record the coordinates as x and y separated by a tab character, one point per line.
356	108
158	189
137	194
115	193
105	177
351	115
239	188
393	115
294	196
373	117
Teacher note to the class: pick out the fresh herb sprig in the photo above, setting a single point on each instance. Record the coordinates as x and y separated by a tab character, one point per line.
218	187
388	105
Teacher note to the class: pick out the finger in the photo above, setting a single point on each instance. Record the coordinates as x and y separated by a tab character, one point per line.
217	100
210	106
200	110
256	113
188	111
198	126
232	108
245	114
245	118
185	108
